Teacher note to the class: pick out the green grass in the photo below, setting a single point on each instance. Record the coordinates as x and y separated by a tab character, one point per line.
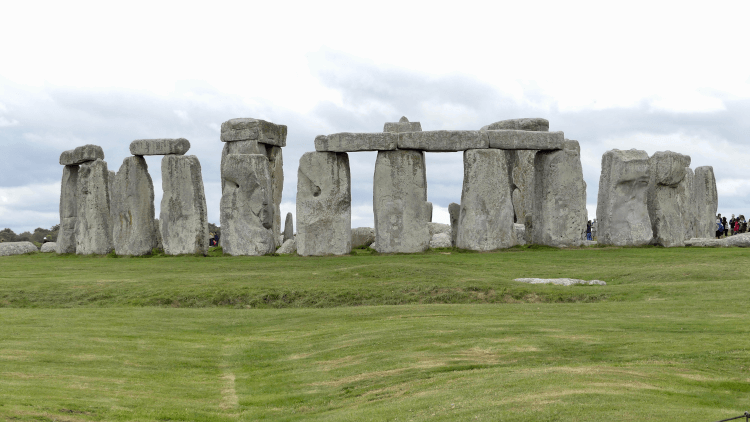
105	338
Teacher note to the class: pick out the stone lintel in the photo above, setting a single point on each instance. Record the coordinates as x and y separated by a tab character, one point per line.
247	129
351	142
81	155
177	146
443	140
522	139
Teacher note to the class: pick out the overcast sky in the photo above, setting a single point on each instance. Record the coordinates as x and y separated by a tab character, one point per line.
649	75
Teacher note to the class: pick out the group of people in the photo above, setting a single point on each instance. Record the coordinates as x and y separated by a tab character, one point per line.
213	239
735	225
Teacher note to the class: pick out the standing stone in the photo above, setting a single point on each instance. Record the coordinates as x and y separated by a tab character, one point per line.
523	181
454	210
400	202
486	218
183	221
247	206
240	147
559	197
665	202
276	172
324	204
362	236
66	236
622	202
705	202
288	227
685	195
93	229
132	209
429	212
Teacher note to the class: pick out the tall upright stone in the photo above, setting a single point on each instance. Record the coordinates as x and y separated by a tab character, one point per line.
706	202
685	195
247	206
66	236
183	219
522	177
486	217
324	204
276	172
288	227
559	215
93	228
132	209
622	210
240	147
400	202
454	210
666	205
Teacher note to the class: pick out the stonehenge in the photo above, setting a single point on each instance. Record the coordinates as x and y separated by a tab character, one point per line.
132	208
183	220
667	205
93	226
706	202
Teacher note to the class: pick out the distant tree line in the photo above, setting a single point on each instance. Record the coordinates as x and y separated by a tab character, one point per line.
8	235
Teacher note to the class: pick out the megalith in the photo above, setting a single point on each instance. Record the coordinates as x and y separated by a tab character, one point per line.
400	202
685	195
183	218
705	202
535	124
665	201
622	209
276	172
132	208
247	211
454	210
93	227
288	227
324	204
66	236
522	177
559	213
486	216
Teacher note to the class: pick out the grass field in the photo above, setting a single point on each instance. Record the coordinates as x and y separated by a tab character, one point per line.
437	336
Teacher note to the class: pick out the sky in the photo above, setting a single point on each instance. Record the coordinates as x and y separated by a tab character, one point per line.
650	75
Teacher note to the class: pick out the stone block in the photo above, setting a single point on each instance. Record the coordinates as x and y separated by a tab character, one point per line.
17	248
183	221
351	142
685	195
666	198
443	140
362	236
705	202
454	210
668	168
288	247
521	139
66	235
253	130
93	227
240	147
436	228
531	124
403	125
48	247
132	209
177	146
441	240
276	172
519	230
81	155
288	227
522	177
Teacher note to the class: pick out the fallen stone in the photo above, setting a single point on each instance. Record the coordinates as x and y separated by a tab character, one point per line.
443	140
436	228
705	202
519	230
93	228
666	205
454	210
400	202
276	171
486	218
560	281
253	130
741	240
247	210
531	124
66	235
17	248
441	240
351	142
132	209
81	155
622	211
521	139
288	227
182	220
287	248
177	146
324	204
403	125
363	236
49	247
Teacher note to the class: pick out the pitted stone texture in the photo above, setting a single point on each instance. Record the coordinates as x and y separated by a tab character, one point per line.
324	204
685	195
362	236
666	205
288	227
81	155
560	213
441	240
443	140
66	236
621	210
351	142
183	222
521	139
288	247
436	228
240	147
276	171
93	229
253	130
177	146
741	240
535	124
16	248
247	211
705	202
522	176
132	209
454	210
520	232
49	247
403	125
400	202
486	218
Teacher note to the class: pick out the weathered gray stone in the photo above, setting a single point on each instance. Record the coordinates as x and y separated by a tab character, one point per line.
436	228
350	142
519	230
486	219
400	202
521	139
532	124
81	155
443	140
665	201
705	202
741	240
522	176
182	221
93	228
560	212
441	240
66	235
560	281
362	236
403	125
324	204
454	210
159	243
132	209
49	247
528	228
247	209
685	195
288	227
288	247
253	130
177	146
240	147
276	171
17	248
429	211
622	210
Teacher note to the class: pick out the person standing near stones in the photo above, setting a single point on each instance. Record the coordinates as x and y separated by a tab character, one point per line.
588	230
726	226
